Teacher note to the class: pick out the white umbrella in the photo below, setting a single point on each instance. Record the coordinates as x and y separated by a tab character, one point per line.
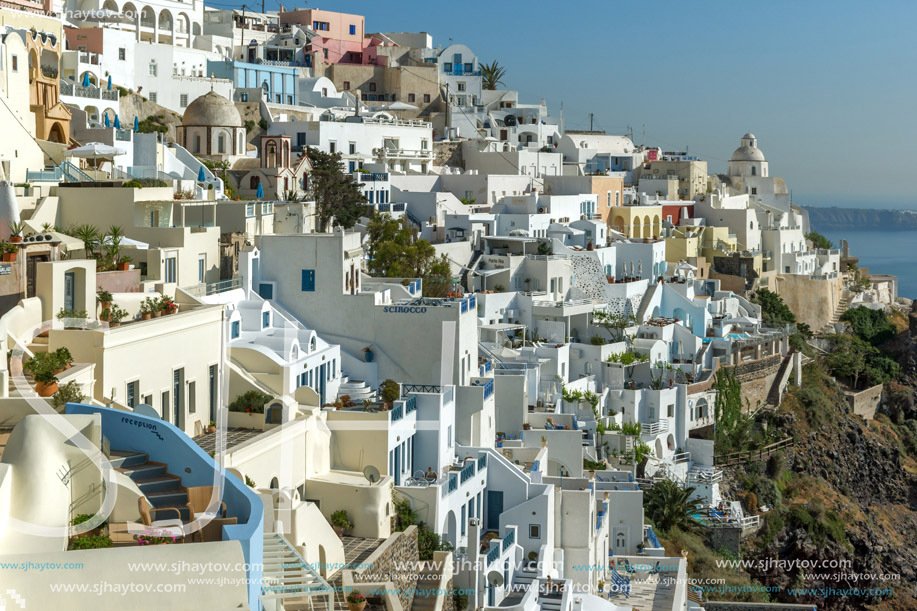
685	267
519	232
96	150
399	106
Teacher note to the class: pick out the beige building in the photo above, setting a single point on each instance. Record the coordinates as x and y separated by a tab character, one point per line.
609	190
414	85
690	174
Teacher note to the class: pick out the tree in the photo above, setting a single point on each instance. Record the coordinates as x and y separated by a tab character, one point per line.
872	326
732	427
773	310
613	323
819	240
492	75
670	506
393	253
336	194
856	360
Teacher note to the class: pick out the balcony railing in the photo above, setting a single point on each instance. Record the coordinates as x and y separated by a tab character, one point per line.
654	428
488	387
392	153
508	540
482	461
493	554
651	538
372	177
450	486
420	388
199	290
398	412
410	404
467	472
91	92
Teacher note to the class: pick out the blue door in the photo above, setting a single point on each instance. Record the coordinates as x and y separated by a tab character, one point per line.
397	466
321	383
70	291
494	509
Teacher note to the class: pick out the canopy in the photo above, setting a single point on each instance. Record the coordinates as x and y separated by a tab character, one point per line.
398	106
95	150
685	267
109	82
519	232
136	124
106	121
86	82
117	123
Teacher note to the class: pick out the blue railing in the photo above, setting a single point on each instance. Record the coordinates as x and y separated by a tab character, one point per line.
482	461
620	584
55	175
398	207
410	404
651	537
509	539
398	412
450	486
493	554
464	305
467	472
488	387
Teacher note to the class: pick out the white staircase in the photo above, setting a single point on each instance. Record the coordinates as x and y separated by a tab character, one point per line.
288	577
357	390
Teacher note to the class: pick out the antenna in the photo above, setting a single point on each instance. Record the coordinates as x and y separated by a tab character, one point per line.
495	578
590	121
371	474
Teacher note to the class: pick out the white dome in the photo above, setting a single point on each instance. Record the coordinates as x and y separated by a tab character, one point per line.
211	110
747	153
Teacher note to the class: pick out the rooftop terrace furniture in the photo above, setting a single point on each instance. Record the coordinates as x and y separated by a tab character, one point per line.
173	526
199	502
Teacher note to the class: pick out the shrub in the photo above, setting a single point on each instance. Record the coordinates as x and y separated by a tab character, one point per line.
429	542
341	519
251	402
91	542
390	391
64	313
132	184
68	393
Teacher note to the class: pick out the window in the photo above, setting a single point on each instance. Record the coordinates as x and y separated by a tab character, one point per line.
122	53
467	67
308	280
177	376
423	144
426	98
268	207
352	148
290	100
221	143
197	143
266	290
353	30
154	96
235	329
534	531
447	67
346	85
461	86
183	100
754	190
213	391
324	92
201	267
15	63
133	389
332	147
372	86
171	268
192	398
411	97
265	320
153	69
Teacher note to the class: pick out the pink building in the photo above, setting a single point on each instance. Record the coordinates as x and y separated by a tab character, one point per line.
341	38
327	24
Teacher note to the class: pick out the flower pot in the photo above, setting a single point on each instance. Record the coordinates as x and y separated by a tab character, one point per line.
123	267
368	357
157	314
339	531
112	325
105	304
46	389
357	606
145	316
211	429
9	257
15	239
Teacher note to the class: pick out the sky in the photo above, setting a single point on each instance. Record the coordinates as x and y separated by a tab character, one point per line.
828	88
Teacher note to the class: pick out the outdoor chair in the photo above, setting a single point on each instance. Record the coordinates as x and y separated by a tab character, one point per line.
199	502
174	527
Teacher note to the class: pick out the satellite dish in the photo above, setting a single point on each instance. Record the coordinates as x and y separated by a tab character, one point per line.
146	410
495	578
372	474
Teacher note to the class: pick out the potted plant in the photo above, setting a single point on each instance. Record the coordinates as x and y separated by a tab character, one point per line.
390	391
45	382
124	264
104	298
146	308
16	232
356	602
340	521
155	536
63	359
72	319
212	427
68	393
368	354
544	441
9	252
156	304
115	315
167	306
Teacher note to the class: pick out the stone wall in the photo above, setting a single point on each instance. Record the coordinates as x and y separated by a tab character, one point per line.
812	301
725	537
865	402
757	377
448	153
728	282
387	564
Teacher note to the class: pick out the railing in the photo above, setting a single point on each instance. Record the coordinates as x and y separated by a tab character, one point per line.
681	458
735	458
467	472
509	540
372	176
420	388
124	135
55	175
73	174
488	387
654	428
387	153
450	486
704	476
397	412
199	290
650	537
410	404
482	461
619	584
542	303
493	554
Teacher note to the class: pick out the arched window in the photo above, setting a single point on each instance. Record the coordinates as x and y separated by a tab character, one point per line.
620	540
254	182
312	344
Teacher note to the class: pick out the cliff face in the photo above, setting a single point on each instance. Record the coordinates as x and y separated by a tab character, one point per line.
830	219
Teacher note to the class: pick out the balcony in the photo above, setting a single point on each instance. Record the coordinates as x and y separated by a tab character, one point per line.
654	428
488	386
562	308
372	176
91	92
386	154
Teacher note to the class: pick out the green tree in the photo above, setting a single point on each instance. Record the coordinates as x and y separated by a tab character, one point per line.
670	506
613	323
393	253
732	426
858	361
871	326
773	310
492	75
336	194
819	240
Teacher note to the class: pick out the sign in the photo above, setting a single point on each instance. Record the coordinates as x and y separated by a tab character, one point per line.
405	309
651	155
6	269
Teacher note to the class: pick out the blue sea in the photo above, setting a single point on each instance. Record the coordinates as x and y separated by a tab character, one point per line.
884	252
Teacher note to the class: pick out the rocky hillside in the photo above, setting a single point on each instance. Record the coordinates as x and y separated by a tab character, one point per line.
134	105
830	219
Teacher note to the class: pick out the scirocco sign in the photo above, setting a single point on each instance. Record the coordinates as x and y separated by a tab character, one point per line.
405	309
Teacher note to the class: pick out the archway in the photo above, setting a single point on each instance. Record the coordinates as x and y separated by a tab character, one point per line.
670	442
647	227
56	134
322	561
658	448
638	226
275	485
450	529
657	226
147	17
110	5
618	224
196	29
93	79
165	20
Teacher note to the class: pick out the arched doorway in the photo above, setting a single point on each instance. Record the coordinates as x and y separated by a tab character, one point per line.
322	561
56	134
659	448
450	529
275	485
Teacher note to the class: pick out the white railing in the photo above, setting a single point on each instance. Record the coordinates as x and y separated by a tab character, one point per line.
654	428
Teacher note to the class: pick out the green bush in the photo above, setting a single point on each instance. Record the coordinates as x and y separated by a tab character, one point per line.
871	326
91	542
68	393
132	184
252	402
341	519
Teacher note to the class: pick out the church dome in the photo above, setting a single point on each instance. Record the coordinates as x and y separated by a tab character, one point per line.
748	153
211	110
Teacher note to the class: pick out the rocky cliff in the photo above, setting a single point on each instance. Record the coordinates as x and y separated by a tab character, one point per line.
831	219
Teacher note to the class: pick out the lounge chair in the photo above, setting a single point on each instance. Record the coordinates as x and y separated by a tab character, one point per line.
174	527
199	498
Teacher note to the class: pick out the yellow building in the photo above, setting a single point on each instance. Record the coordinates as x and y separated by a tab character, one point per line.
636	221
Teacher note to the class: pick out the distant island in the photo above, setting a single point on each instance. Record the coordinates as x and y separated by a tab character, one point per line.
834	218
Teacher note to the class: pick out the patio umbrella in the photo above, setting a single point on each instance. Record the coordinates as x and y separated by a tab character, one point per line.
136	124
201	177
260	190
86	82
96	151
117	122
107	121
109	82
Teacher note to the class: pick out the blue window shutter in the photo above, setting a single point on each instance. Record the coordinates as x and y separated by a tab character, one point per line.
235	329
353	30
308	279
266	291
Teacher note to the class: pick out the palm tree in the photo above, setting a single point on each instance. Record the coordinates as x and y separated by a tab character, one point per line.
669	506
89	234
492	75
